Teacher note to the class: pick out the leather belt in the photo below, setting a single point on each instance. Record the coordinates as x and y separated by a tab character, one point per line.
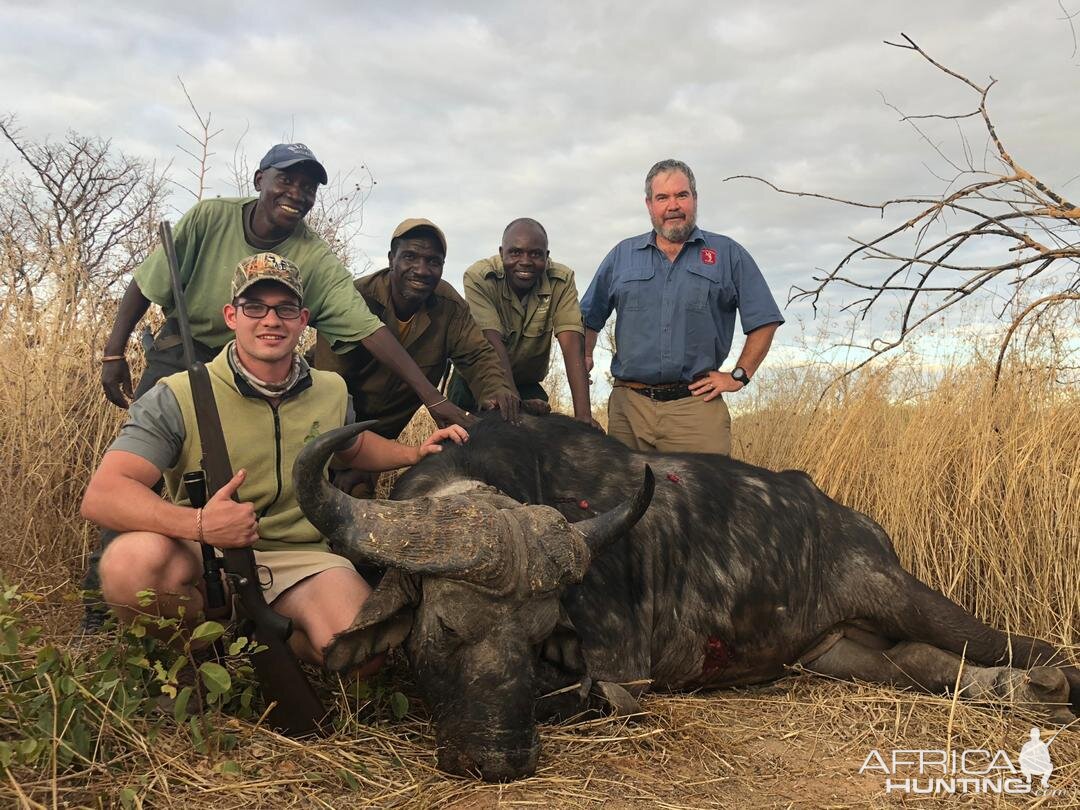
662	392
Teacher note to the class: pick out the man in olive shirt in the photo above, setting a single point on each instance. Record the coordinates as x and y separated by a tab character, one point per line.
431	321
216	234
519	299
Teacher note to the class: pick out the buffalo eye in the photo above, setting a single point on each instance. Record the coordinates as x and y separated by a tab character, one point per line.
446	628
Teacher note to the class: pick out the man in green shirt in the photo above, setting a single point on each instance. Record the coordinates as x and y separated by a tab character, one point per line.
519	299
433	323
211	238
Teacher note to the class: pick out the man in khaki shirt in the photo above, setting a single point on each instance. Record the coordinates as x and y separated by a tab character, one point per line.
519	299
433	324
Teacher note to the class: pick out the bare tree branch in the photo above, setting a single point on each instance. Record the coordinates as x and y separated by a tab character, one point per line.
83	206
1046	300
202	153
996	206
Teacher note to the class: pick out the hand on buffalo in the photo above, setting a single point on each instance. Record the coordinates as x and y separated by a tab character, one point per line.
537	407
227	523
357	483
509	403
454	433
714	384
446	413
116	380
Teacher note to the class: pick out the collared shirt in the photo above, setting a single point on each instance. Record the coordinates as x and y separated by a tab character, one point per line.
676	320
528	323
210	241
440	331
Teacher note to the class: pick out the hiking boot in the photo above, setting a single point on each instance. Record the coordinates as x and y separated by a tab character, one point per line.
93	620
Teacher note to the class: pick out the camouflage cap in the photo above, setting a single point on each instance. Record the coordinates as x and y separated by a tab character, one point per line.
267	267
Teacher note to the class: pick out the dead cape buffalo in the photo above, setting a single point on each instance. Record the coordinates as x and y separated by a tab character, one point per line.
733	574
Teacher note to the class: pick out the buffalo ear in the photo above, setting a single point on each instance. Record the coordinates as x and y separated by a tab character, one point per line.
384	621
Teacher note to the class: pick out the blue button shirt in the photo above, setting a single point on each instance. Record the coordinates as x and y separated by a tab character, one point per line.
675	321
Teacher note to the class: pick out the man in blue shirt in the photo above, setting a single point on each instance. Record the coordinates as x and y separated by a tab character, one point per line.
677	290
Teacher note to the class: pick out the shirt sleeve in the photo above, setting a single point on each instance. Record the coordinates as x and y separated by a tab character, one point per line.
566	310
153	277
338	310
598	302
474	356
479	292
154	429
755	302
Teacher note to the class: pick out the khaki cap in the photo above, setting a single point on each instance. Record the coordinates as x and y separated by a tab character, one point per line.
414	223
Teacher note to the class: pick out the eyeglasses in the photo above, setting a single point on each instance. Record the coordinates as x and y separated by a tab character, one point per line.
257	309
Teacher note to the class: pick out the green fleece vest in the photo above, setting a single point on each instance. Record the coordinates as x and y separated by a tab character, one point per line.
265	441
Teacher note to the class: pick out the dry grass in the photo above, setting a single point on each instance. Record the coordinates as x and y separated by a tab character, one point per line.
979	490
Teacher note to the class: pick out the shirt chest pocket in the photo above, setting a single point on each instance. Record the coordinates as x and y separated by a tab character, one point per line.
707	287
540	322
634	287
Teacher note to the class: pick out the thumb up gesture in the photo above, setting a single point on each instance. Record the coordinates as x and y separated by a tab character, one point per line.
226	523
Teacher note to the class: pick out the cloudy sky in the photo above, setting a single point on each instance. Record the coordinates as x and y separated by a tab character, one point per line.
474	114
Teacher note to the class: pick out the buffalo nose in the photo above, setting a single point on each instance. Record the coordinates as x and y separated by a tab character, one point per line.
491	765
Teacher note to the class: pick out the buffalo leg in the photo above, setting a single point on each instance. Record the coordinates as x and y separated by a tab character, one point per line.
915	612
914	665
560	695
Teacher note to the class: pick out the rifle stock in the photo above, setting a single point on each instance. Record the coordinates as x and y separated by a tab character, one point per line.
295	708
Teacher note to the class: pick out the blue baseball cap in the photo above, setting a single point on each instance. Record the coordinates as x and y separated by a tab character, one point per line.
284	155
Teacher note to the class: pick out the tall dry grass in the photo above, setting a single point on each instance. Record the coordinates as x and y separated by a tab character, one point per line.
54	426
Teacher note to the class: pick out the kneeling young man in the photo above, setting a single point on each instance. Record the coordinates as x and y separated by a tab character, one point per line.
270	403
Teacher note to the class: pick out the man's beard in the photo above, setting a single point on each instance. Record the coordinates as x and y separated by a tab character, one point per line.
677	230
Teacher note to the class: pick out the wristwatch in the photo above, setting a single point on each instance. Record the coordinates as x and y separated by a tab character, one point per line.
739	375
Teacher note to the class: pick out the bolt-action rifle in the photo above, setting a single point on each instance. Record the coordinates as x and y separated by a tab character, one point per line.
295	709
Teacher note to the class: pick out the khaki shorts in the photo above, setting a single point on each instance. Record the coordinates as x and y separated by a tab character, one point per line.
287	568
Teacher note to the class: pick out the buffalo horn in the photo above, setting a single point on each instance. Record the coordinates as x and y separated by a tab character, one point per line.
604	528
422	536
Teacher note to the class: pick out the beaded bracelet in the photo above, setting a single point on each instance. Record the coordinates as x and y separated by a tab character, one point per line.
198	525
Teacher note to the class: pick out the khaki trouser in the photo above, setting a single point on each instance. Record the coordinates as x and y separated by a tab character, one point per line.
688	425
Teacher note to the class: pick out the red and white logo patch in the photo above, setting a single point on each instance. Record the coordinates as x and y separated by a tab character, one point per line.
708	256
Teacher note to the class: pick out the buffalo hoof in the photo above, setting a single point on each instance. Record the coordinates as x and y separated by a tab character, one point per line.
616	699
560	705
1041	690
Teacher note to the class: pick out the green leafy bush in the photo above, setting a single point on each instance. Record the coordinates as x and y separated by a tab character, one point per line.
63	710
